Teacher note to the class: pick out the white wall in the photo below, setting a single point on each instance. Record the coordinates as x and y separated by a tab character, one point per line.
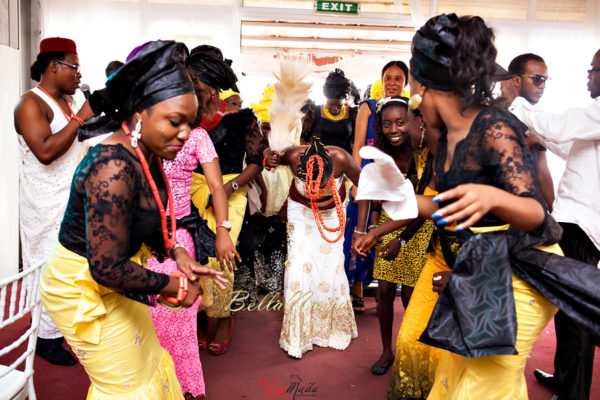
9	177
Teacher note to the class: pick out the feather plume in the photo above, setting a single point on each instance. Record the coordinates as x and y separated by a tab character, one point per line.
291	92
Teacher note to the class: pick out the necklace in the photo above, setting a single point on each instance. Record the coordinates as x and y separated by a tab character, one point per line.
169	239
210	124
422	127
338	117
58	105
314	193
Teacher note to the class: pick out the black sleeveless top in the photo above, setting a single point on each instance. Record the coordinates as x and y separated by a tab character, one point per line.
332	133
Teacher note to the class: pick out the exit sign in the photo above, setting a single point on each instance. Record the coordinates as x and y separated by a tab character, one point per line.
342	7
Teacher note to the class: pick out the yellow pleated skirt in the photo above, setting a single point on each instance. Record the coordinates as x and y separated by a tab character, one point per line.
112	336
215	302
498	377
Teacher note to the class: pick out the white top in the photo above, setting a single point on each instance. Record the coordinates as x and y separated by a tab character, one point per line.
44	192
573	135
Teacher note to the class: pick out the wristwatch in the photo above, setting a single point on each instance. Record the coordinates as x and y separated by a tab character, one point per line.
234	185
225	224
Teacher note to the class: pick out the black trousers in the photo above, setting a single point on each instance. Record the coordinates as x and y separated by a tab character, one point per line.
574	359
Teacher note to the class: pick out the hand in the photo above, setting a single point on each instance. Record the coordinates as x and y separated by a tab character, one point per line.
272	158
194	290
85	112
439	280
509	90
364	244
473	201
225	251
263	200
228	189
390	251
193	269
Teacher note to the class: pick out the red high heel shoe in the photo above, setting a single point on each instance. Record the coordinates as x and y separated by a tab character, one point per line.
202	343
217	349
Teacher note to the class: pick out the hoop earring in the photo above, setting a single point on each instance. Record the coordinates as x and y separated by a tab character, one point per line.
415	101
212	96
136	134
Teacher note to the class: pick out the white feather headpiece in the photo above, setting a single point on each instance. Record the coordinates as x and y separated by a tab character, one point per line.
291	92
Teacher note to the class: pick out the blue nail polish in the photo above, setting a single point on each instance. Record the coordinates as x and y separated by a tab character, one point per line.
442	221
458	229
436	199
436	215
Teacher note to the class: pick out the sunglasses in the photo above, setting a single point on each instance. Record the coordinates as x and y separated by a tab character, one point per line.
538	80
75	67
593	70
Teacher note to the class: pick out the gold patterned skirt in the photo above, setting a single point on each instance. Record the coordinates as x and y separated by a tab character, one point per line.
215	302
112	336
415	363
409	263
318	310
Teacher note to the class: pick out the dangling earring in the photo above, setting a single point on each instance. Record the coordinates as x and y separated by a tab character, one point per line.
415	101
212	94
422	127
136	134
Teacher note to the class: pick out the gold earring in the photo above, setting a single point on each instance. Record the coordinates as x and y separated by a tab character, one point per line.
415	101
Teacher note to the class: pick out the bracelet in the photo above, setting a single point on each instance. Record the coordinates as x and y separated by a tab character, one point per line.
359	232
78	119
371	227
175	246
181	292
264	163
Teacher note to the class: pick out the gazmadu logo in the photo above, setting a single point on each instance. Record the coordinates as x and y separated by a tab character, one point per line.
296	389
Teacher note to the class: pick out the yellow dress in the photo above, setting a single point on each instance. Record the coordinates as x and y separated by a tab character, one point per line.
499	377
409	263
215	302
415	363
112	336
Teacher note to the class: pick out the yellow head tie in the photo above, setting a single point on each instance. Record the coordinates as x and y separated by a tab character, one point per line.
225	94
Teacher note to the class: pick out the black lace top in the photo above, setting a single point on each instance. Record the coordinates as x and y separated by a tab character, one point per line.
237	134
110	213
493	153
332	133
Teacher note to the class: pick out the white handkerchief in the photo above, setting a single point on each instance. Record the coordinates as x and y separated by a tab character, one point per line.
382	180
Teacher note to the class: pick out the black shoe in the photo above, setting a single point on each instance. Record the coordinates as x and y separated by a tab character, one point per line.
381	369
52	351
545	379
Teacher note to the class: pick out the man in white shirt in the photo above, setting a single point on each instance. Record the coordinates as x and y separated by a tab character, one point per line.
574	135
46	122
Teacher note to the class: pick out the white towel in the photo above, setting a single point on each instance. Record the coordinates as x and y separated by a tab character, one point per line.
382	180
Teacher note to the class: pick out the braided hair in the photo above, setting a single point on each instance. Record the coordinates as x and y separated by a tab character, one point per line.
315	149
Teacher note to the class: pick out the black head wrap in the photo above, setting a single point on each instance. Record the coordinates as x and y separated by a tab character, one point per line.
337	86
211	68
155	74
432	50
315	147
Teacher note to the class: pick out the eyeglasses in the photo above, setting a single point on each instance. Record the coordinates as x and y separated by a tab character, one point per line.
592	70
75	67
538	80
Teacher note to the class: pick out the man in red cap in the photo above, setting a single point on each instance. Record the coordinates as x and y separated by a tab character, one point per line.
46	121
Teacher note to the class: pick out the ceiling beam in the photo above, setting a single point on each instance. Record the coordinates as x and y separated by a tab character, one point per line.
326	40
314	25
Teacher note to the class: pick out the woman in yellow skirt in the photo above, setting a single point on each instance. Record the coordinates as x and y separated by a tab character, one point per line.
239	144
94	285
486	179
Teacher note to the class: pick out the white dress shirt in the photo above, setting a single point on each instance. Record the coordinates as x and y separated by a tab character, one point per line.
574	135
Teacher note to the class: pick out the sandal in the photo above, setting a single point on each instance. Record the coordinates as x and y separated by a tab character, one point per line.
358	304
217	349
